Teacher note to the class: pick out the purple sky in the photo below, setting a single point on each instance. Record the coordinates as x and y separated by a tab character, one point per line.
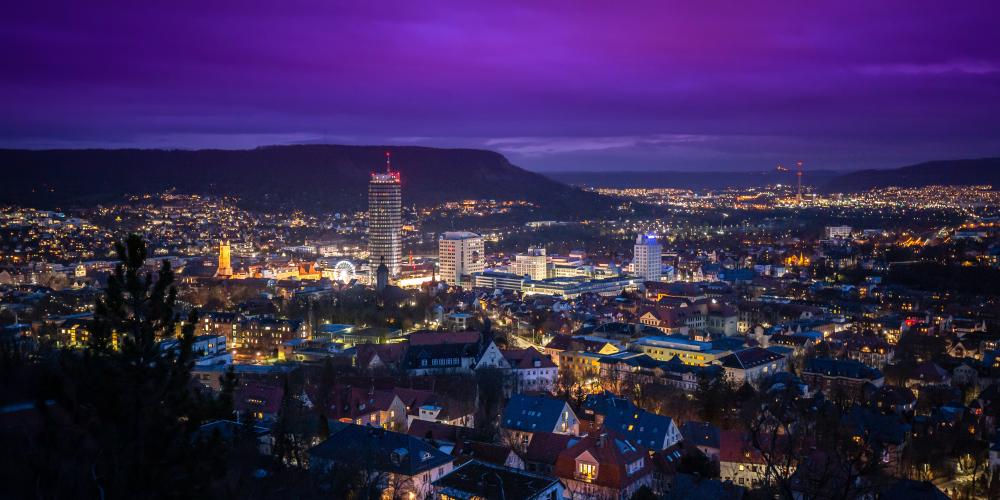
553	85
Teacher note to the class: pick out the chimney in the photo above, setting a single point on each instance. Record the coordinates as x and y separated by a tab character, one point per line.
602	439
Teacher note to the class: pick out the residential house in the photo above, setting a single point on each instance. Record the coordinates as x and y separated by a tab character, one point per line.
403	466
739	461
840	376
261	401
544	449
438	353
476	480
604	466
526	415
703	436
531	370
609	412
752	364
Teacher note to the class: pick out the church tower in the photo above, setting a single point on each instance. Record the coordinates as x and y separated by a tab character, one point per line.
225	269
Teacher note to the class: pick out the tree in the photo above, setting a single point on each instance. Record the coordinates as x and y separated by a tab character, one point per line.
809	443
696	463
644	493
129	413
491	386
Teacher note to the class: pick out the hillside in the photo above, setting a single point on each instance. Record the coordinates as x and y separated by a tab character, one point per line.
943	172
686	180
309	177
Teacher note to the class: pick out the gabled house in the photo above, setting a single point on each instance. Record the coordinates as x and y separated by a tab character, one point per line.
544	449
437	353
703	436
833	376
532	371
640	427
752	364
739	461
480	480
604	466
259	400
367	406
402	465
526	415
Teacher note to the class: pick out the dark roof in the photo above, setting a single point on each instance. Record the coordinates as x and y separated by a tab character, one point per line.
700	434
227	430
885	429
638	426
381	449
258	397
907	489
442	433
690	487
532	413
490	453
749	358
476	479
848	368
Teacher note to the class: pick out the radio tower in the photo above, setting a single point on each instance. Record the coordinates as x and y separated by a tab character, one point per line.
798	174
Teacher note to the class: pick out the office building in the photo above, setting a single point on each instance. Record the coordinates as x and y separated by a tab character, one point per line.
646	262
838	232
460	253
533	263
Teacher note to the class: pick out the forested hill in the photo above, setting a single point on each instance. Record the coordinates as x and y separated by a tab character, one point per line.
942	172
310	177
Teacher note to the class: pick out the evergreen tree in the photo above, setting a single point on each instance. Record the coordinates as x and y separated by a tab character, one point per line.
129	408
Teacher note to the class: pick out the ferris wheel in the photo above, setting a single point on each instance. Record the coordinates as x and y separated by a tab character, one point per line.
344	271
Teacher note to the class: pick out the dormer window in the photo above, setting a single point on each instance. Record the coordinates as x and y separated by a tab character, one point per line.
586	471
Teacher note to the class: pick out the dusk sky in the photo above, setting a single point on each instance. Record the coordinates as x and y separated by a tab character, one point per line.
553	85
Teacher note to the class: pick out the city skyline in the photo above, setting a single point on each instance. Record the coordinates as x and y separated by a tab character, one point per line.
653	86
526	250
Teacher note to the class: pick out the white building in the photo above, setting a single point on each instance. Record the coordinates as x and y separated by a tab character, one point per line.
533	263
460	253
646	260
838	232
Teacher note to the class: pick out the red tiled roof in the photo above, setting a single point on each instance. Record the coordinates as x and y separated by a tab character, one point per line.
737	447
545	447
388	353
525	358
257	397
612	456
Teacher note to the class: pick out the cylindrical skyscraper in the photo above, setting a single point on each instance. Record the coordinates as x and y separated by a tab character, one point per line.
385	219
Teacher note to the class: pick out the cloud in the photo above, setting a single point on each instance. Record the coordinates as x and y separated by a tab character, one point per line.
953	67
543	146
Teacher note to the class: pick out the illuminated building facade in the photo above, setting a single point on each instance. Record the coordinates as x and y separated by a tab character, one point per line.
225	269
646	260
460	253
385	219
533	264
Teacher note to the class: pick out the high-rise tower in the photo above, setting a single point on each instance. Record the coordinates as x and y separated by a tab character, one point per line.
460	253
647	260
225	269
798	175
385	217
